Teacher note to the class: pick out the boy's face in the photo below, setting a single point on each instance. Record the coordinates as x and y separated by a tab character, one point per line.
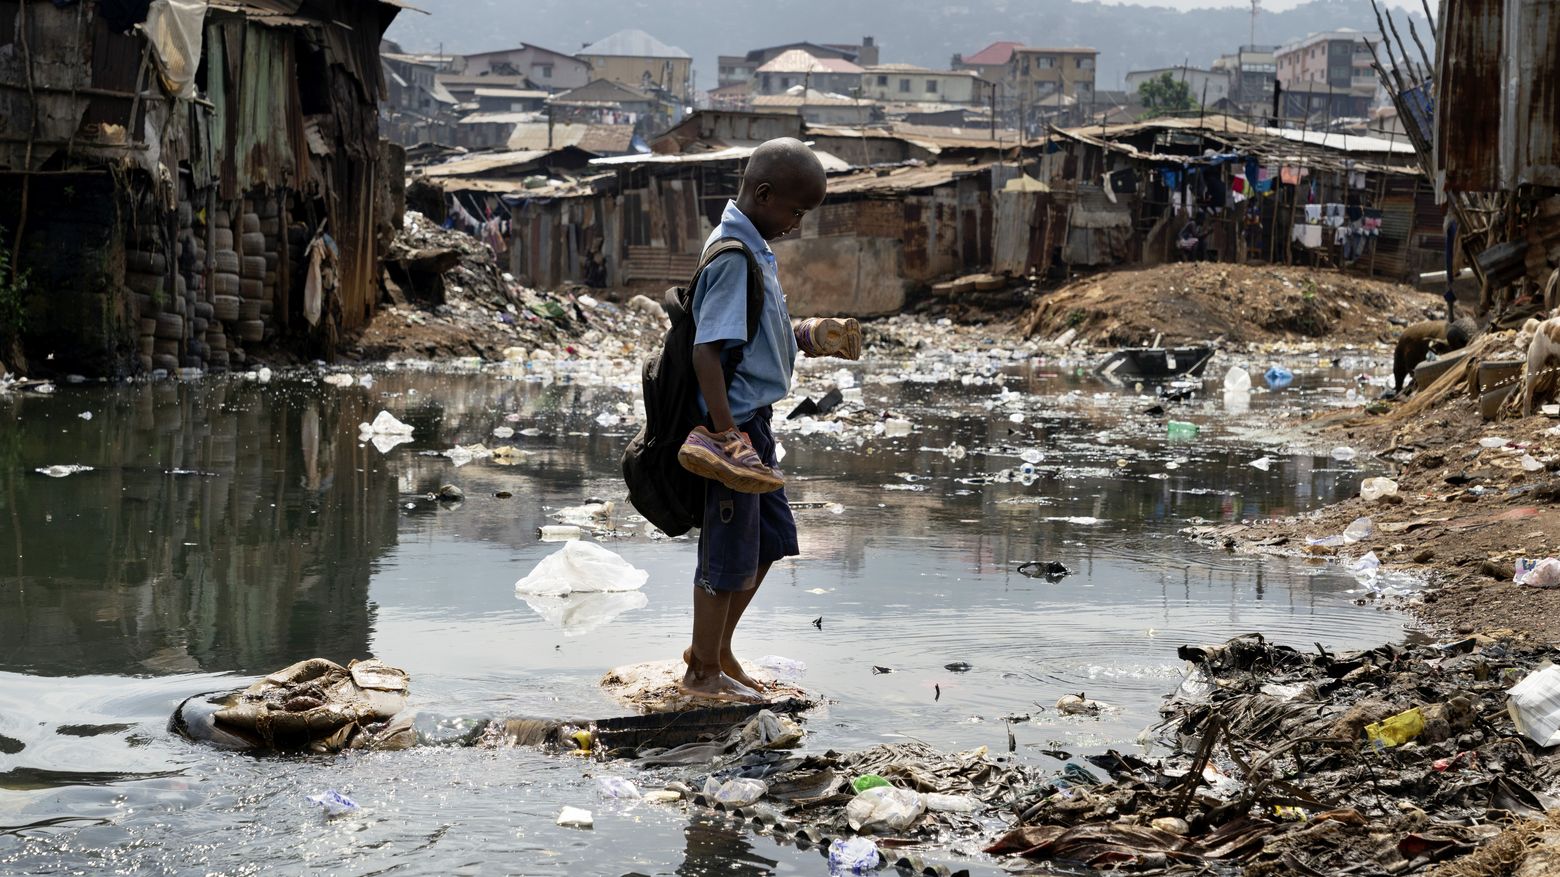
779	211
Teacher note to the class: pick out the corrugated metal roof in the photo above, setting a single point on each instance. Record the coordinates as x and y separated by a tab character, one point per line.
831	164
813	98
997	53
632	43
485	162
497	118
910	178
597	139
799	61
511	92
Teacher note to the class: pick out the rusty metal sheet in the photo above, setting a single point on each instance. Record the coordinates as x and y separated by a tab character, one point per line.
1468	89
1530	103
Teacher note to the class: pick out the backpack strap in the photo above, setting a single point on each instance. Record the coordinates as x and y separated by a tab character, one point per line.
755	292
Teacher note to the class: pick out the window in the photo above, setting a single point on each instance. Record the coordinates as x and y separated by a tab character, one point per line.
882	81
904	86
1085	63
766	81
1045	63
931	86
785	82
546	71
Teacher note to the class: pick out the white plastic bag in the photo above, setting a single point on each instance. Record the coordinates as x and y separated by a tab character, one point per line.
1534	704
581	567
735	793
1372	489
1543	574
884	808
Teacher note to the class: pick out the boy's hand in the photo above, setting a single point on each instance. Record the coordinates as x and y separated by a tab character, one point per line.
829	336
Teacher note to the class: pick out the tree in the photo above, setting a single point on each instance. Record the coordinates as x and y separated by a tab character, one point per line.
1166	94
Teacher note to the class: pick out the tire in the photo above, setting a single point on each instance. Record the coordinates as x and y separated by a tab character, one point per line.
146	263
252	289
223	219
248	311
165	347
203	310
252	268
251	223
166	361
170	327
271	227
252	244
145	306
251	331
146	345
145	284
222	239
226	262
198	326
226	307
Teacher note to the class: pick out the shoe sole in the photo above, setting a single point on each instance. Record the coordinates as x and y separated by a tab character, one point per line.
849	332
708	464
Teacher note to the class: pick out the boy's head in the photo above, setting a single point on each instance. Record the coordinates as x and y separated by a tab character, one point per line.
783	181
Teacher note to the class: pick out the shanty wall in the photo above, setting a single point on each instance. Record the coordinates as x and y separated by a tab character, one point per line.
191	214
1498	95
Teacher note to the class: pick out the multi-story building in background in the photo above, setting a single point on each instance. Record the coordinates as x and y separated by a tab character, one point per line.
637	59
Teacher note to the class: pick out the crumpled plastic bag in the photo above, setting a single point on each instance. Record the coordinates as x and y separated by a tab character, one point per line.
735	793
769	731
1534	704
385	424
884	808
1543	574
581	567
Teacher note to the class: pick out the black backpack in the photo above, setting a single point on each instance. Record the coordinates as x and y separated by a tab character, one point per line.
668	495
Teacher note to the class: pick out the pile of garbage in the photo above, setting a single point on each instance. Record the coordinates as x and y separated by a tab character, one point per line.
1282	762
1202	301
450	297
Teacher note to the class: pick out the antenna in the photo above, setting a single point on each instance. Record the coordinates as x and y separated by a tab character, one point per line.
1256	6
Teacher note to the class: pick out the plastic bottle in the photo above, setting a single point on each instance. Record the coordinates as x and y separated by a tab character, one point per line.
1180	429
559	532
1236	380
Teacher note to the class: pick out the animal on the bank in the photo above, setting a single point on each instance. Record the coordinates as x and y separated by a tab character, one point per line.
1543	355
1418	340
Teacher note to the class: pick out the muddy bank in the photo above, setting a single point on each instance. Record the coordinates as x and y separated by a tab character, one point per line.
1208	301
1473	498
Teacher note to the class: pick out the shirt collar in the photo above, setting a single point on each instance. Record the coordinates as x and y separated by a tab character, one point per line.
736	224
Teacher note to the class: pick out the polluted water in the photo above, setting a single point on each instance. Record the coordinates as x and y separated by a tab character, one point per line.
228	527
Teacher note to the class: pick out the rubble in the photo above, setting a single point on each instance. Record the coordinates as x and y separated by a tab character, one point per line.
451	298
1270	768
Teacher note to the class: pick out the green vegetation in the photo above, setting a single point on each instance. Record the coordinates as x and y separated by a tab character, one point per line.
1166	95
13	297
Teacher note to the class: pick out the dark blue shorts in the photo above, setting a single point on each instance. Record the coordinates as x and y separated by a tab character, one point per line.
743	531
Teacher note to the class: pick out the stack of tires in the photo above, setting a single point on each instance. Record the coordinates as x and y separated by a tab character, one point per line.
254	296
159	305
226	284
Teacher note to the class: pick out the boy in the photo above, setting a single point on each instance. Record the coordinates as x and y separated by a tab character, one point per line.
747	524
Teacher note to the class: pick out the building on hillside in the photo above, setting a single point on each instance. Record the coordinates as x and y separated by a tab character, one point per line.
1319	105
1206	86
706	130
186	178
612	103
464	88
545	68
731	96
1049	82
1339	58
416	108
509	100
736	69
796	67
990	63
818	108
907	83
1252	71
639	60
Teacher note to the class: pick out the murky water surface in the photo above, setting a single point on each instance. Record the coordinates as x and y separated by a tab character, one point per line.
228	528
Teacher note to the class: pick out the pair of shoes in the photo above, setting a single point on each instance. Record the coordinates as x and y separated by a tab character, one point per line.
830	336
728	457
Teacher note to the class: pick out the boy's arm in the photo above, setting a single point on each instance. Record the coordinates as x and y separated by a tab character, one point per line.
712	383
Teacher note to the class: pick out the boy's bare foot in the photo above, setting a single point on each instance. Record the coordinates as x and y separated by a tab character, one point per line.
717	686
729	667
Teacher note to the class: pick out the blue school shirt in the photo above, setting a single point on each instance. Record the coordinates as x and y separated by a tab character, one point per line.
720	314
